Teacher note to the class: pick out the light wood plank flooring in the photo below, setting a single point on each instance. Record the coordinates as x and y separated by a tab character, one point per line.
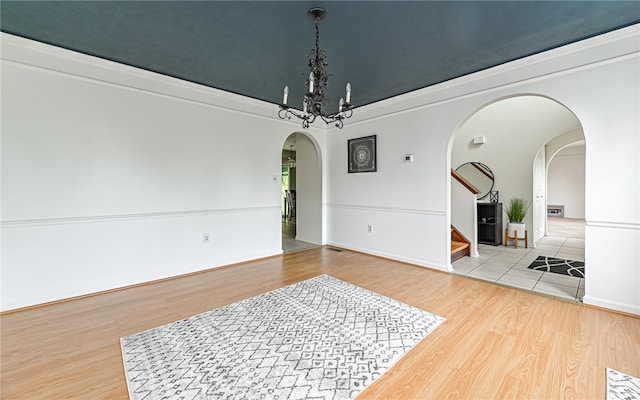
497	342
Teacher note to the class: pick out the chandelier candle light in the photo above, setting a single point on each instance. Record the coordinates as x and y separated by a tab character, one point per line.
314	104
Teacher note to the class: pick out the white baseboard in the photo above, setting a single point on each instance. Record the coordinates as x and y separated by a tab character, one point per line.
612	305
91	290
409	260
307	240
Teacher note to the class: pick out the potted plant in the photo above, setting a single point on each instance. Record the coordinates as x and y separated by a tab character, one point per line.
516	211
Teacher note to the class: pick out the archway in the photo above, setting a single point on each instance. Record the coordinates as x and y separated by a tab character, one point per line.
565	169
301	193
514	133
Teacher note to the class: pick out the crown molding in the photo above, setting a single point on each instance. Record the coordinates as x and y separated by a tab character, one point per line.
36	55
619	44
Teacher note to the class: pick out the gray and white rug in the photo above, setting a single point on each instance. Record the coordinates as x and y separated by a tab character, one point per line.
322	338
622	386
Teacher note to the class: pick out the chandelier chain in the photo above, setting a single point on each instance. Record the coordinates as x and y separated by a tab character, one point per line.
317	34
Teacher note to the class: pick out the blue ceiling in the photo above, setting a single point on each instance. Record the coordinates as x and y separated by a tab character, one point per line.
255	48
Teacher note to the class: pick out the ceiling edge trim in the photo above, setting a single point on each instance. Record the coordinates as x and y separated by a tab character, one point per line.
53	59
612	46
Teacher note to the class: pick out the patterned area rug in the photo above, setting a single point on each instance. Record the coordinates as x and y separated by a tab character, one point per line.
622	386
558	266
317	339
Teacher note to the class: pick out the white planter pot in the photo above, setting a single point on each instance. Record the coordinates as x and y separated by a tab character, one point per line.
516	227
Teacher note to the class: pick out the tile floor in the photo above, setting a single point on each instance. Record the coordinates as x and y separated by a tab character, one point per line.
289	243
508	266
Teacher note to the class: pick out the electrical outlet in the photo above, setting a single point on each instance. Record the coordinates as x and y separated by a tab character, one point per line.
206	238
370	228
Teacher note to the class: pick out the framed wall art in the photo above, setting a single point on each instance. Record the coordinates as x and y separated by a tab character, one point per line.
362	154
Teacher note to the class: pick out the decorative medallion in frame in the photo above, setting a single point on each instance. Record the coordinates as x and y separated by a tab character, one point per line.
362	154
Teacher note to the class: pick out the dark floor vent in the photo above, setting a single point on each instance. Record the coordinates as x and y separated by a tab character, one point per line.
334	249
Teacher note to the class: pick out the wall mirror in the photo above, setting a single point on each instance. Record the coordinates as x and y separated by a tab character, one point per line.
479	175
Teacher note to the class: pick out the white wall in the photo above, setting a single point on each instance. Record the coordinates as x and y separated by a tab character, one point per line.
111	175
308	191
402	201
596	80
565	181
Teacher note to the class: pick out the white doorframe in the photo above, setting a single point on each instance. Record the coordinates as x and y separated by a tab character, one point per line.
539	196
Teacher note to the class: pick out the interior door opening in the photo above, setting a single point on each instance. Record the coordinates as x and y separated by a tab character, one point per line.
301	194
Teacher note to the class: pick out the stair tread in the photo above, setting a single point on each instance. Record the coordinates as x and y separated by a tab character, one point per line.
455	246
459	245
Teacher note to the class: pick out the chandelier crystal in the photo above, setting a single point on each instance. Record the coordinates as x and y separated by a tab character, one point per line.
314	104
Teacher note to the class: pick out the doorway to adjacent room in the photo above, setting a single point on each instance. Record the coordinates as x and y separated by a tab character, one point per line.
301	194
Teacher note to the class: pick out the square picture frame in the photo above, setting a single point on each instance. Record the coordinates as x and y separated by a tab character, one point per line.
361	154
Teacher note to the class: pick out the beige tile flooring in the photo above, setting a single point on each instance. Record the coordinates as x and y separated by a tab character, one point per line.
289	243
508	266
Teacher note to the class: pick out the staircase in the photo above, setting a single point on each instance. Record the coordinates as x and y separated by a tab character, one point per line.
460	246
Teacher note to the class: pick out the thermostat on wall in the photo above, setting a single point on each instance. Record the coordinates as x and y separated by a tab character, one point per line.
408	158
478	140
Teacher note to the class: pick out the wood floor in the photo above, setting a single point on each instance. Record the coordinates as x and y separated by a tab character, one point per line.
497	342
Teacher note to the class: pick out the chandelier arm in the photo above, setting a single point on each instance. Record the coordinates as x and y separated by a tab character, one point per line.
344	114
286	113
283	113
336	119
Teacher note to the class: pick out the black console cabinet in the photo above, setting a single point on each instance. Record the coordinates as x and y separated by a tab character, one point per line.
490	223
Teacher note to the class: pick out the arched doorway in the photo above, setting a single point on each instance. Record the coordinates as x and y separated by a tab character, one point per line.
565	169
301	193
514	133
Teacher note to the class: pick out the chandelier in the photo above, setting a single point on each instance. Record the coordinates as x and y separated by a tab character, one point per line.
314	104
